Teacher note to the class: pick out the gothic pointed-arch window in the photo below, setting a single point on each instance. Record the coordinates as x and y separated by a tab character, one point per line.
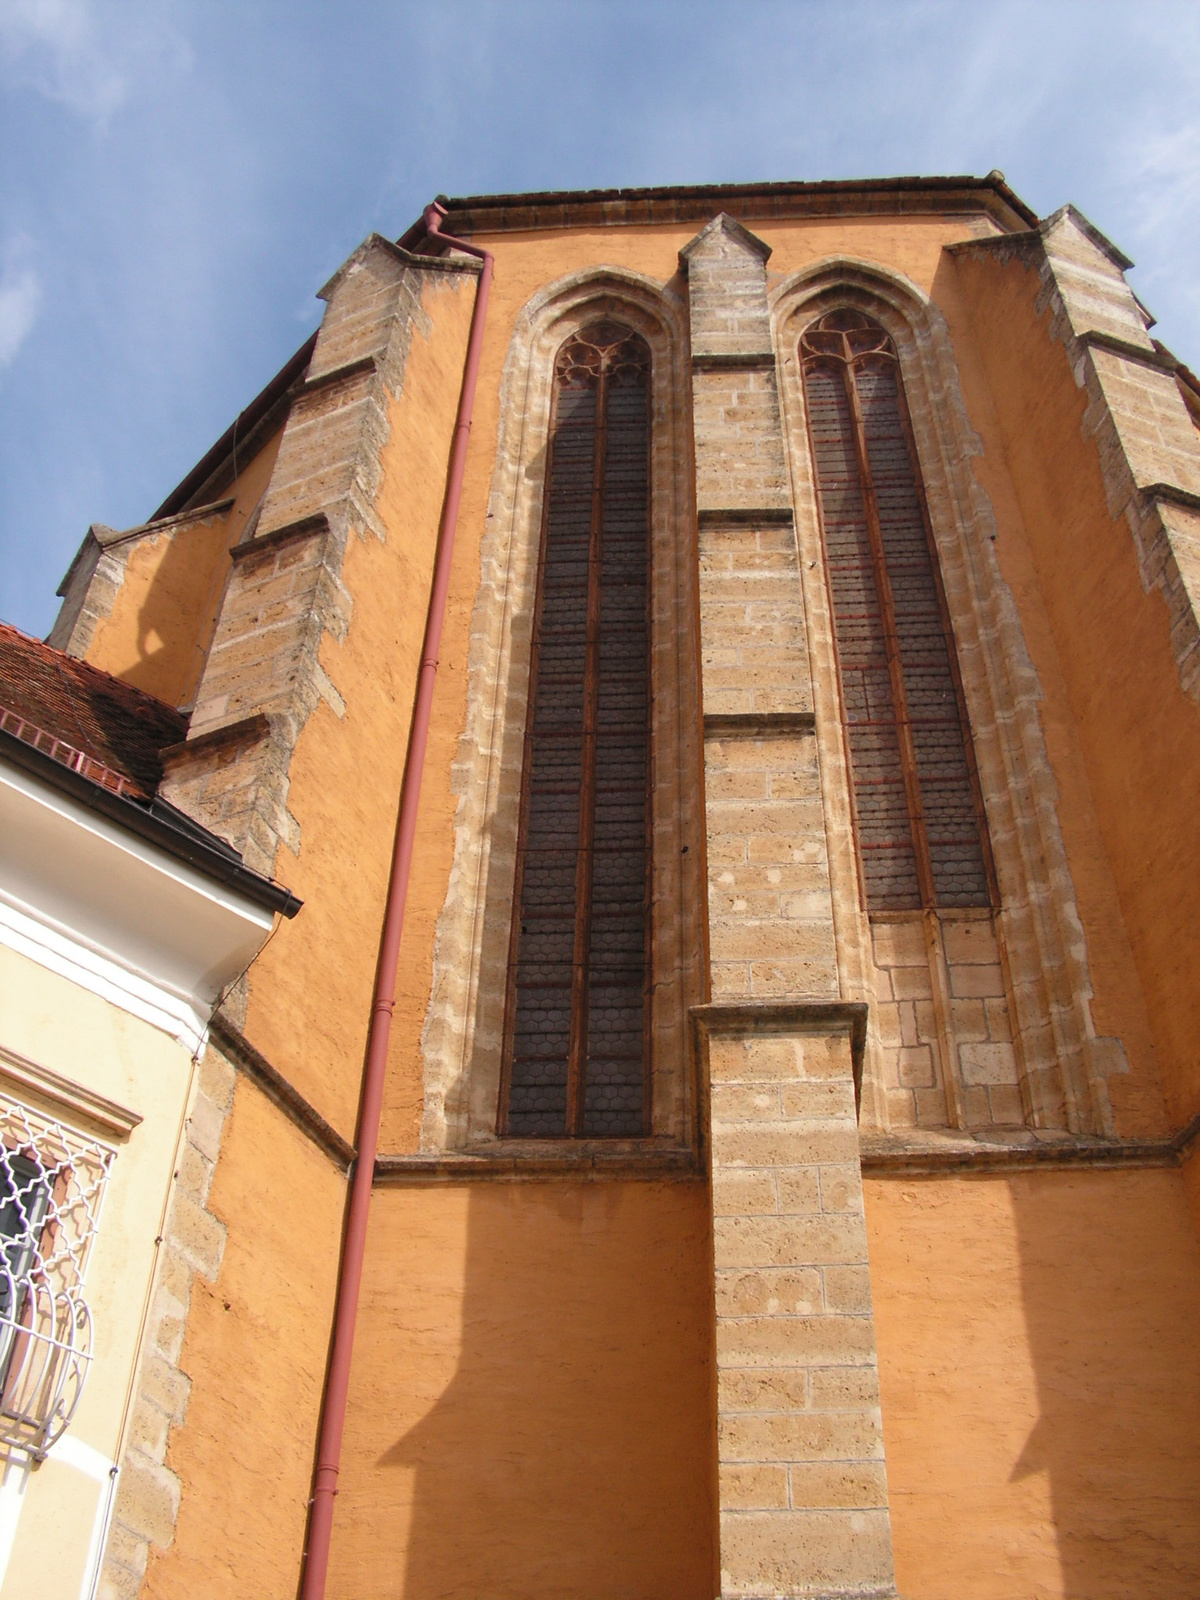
576	1056
922	840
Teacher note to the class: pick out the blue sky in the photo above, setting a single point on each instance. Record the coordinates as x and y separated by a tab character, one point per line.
178	177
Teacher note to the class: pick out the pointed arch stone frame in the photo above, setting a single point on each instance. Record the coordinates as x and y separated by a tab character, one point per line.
1062	1064
462	1040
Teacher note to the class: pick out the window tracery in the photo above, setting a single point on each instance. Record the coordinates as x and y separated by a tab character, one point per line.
980	1016
921	836
466	1032
576	1057
942	1028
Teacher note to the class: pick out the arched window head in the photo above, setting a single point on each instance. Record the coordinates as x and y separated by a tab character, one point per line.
921	835
576	1057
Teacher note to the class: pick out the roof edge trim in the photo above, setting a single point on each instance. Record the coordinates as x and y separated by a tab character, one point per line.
183	839
735	195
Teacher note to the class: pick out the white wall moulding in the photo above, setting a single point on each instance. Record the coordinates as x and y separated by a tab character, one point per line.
85	898
46	1090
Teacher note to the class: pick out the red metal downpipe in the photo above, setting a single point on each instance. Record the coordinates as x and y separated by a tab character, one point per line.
337	1385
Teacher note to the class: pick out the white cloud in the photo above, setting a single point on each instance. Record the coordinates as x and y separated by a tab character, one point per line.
20	299
1164	174
1159	183
88	55
53	47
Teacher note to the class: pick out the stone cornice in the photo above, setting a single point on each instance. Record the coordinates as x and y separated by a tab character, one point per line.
743	516
1039	231
530	1163
405	258
251	729
736	361
106	538
882	1157
342	374
734	230
1022	1151
1173	494
757	202
303	528
254	1065
1145	355
749	1017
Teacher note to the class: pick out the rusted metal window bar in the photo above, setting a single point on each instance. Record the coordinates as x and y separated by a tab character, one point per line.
576	1058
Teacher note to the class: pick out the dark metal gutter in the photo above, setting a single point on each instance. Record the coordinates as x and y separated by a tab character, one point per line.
157	823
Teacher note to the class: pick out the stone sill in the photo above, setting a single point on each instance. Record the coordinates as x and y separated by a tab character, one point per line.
1017	1149
526	1159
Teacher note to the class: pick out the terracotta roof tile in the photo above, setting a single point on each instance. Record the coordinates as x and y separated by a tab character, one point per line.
87	719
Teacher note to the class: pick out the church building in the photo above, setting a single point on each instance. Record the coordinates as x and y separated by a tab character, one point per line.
713	676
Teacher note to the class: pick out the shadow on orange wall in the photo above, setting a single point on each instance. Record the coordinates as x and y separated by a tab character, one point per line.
1040	1371
1110	1277
568	1446
163	617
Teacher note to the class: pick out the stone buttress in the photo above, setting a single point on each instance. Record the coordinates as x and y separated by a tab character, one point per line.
803	1494
263	677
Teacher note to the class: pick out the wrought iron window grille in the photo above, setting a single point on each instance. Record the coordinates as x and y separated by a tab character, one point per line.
52	1185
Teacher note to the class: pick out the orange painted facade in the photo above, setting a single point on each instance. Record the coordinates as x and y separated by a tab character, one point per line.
540	1394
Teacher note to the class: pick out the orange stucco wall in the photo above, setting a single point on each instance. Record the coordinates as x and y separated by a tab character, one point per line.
257	1340
255	1349
531	1400
162	620
1102	648
531	1407
1040	1372
1053	525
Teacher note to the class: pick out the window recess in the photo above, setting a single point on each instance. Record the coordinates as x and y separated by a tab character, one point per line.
576	1056
941	1025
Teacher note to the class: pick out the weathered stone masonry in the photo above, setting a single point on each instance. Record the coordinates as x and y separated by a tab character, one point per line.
263	677
262	680
803	1494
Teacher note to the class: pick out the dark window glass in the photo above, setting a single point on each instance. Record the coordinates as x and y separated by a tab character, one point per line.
24	1201
920	832
576	1057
